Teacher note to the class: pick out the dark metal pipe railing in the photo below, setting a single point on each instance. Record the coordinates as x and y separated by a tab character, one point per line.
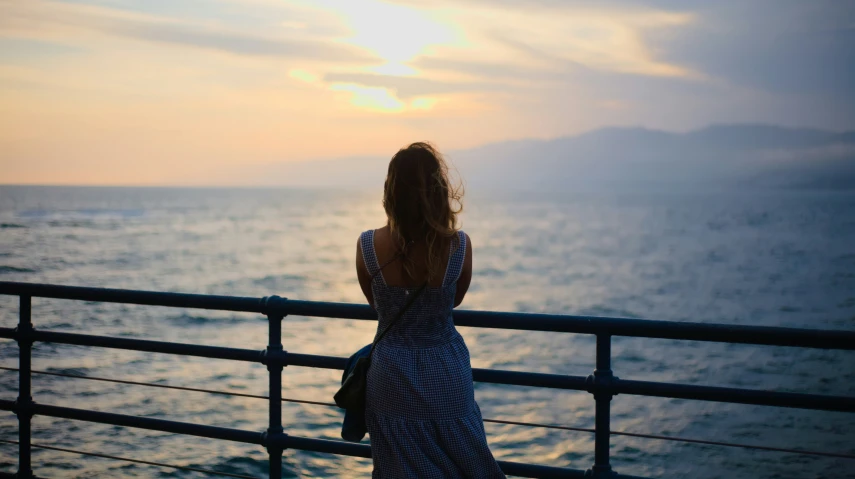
163	425
643	328
280	441
130	296
492	376
112	342
602	384
538	380
735	395
727	333
486	419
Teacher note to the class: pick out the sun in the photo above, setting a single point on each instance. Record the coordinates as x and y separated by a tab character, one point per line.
394	33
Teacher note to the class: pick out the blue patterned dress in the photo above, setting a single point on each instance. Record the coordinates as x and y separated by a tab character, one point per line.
420	405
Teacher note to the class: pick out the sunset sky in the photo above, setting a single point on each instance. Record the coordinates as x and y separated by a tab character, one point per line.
168	91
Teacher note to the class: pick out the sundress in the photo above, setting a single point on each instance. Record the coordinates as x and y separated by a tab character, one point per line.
420	404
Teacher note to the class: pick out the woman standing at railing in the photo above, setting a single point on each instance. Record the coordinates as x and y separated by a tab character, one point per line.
420	405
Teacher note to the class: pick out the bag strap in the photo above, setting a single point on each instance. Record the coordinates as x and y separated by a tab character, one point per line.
410	300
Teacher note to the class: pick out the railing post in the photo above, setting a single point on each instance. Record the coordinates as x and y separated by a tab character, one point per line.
275	359
24	403
600	384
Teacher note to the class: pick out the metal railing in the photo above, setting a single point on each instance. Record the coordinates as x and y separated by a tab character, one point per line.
602	384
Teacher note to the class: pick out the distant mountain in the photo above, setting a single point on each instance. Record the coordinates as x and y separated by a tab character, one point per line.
722	155
741	156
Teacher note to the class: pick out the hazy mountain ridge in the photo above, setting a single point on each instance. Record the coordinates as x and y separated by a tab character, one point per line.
753	156
719	155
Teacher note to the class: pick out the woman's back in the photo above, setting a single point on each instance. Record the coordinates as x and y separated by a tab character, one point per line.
383	248
386	249
427	322
420	404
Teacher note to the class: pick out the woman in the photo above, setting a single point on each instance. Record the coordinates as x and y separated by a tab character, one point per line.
420	406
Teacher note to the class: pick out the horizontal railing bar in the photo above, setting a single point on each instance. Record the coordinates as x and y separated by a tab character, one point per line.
493	376
184	349
200	430
727	333
324	309
130	296
315	361
760	335
166	386
645	328
516	378
735	395
678	439
520	378
290	442
730	444
487	420
327	446
138	461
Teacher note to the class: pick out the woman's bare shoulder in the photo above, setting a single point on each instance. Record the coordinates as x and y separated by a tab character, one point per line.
381	234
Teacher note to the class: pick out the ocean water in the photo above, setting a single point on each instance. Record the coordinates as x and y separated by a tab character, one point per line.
762	258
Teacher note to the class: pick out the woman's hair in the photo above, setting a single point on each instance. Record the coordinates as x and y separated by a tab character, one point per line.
421	203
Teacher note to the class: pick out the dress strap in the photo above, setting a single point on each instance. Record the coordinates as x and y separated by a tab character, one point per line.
366	241
455	259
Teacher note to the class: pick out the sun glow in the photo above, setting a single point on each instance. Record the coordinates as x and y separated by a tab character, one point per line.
303	75
381	99
376	99
395	33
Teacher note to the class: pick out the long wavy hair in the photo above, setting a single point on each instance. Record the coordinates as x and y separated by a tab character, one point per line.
421	204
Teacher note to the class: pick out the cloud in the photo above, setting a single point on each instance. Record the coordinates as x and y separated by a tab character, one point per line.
770	45
44	19
479	68
608	36
407	87
802	48
239	43
598	39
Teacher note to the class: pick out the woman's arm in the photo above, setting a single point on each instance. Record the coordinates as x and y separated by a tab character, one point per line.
465	274
363	276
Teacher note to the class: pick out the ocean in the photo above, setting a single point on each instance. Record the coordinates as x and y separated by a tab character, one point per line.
776	258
